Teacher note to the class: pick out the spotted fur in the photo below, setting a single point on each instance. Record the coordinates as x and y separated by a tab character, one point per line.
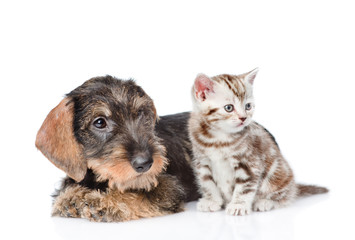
237	162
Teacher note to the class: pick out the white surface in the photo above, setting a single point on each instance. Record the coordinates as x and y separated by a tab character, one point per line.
304	95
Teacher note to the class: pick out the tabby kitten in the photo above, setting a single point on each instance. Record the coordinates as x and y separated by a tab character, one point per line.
237	162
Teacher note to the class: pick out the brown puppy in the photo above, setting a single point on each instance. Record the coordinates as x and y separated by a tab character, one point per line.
121	164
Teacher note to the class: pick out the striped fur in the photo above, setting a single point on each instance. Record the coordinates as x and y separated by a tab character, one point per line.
237	162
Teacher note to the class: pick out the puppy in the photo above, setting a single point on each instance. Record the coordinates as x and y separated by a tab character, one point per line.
122	162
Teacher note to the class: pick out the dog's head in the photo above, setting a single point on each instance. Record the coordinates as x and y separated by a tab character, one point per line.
106	125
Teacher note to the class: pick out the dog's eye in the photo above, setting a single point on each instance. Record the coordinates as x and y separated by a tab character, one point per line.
100	123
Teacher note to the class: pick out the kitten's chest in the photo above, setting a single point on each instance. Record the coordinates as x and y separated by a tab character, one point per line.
222	172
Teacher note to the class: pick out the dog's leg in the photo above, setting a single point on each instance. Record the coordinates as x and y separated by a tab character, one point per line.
114	206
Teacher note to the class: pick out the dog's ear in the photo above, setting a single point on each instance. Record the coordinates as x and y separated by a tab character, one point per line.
56	140
156	116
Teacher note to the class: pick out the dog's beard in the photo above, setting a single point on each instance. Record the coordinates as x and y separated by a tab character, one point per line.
120	174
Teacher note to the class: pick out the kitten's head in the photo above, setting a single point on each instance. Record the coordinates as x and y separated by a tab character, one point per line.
225	101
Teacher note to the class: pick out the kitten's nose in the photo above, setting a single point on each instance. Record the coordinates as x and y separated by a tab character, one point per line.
242	119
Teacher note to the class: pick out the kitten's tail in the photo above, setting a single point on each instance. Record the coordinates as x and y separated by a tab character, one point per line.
307	190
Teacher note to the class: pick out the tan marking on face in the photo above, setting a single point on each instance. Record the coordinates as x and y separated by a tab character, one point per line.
101	109
118	171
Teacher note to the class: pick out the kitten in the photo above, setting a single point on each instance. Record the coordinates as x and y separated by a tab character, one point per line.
237	162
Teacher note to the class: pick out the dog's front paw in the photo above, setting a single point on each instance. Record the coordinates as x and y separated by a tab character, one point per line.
239	209
65	208
80	202
69	203
96	208
207	205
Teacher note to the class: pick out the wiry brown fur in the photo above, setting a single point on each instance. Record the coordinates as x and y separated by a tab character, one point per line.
121	164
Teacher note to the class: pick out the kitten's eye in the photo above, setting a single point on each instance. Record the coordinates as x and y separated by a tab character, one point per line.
248	106
100	123
229	108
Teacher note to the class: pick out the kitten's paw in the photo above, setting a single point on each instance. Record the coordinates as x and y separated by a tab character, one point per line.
263	205
239	209
206	205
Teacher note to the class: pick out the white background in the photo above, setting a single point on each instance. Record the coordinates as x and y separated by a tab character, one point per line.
304	92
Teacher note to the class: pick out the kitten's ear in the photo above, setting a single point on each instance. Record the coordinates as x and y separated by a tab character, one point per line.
202	87
56	140
250	76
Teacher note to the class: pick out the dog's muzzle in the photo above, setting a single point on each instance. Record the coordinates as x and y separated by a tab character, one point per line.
142	164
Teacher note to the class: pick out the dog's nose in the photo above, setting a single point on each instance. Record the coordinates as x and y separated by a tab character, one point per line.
141	164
